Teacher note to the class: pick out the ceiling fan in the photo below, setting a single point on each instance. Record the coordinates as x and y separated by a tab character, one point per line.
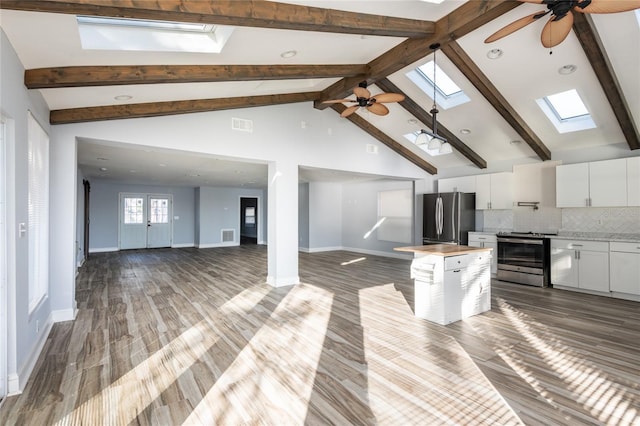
559	26
365	100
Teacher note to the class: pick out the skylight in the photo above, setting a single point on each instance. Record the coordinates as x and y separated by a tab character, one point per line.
445	84
155	36
567	111
448	93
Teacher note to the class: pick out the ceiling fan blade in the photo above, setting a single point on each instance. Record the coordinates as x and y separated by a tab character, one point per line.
347	112
361	92
532	1
608	6
338	101
554	32
515	26
378	109
388	97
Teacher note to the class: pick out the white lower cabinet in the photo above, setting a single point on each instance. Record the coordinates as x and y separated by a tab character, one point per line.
477	239
580	264
624	259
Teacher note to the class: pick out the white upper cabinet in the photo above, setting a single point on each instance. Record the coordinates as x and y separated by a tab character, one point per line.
608	183
633	181
494	191
596	184
535	182
457	184
572	185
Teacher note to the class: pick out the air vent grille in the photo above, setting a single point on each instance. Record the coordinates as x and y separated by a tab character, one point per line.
228	235
372	149
242	125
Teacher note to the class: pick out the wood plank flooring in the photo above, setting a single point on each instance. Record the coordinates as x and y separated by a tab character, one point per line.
188	336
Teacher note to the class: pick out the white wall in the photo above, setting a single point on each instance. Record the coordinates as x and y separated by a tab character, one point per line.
80	255
303	216
26	333
325	216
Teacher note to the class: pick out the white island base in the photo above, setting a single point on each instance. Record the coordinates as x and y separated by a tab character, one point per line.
451	282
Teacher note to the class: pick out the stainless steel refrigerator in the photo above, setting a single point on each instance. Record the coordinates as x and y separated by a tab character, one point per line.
448	217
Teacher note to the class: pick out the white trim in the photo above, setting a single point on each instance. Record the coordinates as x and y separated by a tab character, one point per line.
182	245
212	245
282	281
80	263
322	249
17	382
103	249
63	315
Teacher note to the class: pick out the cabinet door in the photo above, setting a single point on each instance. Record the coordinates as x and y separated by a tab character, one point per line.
593	270
494	256
453	295
458	184
633	181
625	272
483	192
608	183
502	191
572	185
564	268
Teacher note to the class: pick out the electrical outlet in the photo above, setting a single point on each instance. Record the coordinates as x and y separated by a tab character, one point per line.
37	326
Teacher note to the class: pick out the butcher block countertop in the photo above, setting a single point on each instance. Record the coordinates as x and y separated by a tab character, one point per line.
443	249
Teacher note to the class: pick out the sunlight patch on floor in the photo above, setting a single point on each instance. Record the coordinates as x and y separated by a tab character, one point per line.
352	261
127	397
591	388
271	379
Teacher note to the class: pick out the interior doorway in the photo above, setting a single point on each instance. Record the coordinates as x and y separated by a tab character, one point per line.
85	243
145	221
4	304
248	220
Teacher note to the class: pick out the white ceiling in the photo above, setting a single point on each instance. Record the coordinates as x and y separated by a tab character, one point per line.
525	72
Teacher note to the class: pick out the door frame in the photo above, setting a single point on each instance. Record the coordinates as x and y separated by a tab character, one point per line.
259	217
85	244
4	281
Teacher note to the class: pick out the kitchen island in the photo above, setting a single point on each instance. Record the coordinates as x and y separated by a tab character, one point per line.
451	282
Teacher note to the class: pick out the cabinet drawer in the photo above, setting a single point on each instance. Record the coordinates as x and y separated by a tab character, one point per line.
456	262
482	238
580	245
624	247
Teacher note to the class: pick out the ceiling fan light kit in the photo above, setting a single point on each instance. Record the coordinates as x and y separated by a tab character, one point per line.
560	23
364	99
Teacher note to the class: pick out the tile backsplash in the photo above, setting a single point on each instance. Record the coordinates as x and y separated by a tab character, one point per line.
619	220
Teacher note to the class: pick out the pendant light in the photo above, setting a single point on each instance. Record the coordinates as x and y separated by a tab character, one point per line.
436	142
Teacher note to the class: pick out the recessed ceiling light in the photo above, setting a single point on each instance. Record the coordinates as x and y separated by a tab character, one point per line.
103	169
162	165
122	97
567	69
412	121
102	159
288	54
193	174
132	171
465	131
515	142
494	53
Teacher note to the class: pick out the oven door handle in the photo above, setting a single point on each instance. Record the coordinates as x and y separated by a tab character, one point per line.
520	241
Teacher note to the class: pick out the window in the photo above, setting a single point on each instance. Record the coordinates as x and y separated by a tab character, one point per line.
152	36
567	111
38	210
448	93
159	210
133	210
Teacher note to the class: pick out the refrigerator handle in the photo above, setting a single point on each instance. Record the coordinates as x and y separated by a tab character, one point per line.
456	205
437	218
441	216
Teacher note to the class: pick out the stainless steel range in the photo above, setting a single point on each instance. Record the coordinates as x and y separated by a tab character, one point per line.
524	258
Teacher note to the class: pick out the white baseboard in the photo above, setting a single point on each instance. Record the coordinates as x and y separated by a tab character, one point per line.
182	245
321	249
80	262
103	249
16	382
63	315
282	281
304	249
212	245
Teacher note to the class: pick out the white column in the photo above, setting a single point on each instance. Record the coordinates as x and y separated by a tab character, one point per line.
62	232
282	238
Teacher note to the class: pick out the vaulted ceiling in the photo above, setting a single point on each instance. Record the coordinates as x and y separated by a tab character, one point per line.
340	44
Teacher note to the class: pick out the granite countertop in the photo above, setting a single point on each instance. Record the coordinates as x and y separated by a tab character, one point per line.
597	236
442	249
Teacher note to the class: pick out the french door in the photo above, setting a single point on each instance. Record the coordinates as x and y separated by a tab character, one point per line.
145	221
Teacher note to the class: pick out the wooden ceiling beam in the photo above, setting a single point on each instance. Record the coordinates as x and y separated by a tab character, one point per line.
592	46
387	140
246	13
157	109
82	76
465	19
472	72
418	112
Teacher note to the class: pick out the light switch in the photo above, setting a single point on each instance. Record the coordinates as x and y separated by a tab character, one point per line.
176	218
22	230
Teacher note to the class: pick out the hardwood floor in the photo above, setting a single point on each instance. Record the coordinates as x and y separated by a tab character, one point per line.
188	336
